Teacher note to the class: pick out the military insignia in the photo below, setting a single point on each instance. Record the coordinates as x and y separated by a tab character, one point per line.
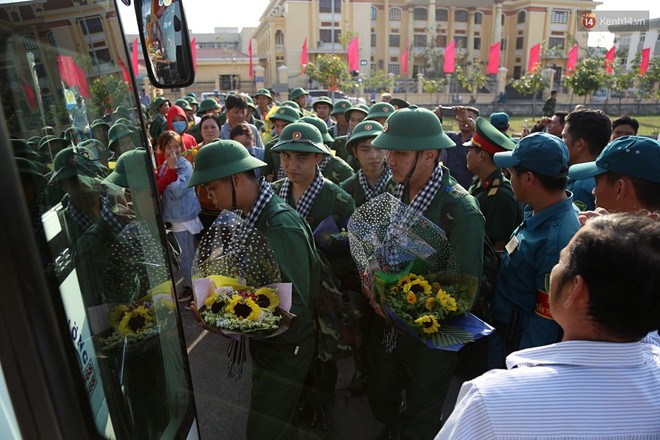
542	307
87	154
343	105
368	127
73	160
580	205
386	109
493	191
385	126
296	135
281	110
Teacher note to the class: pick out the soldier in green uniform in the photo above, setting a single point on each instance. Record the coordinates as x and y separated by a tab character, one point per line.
379	112
280	119
322	108
341	125
353	116
264	103
299	96
316	199
279	364
414	137
121	139
332	167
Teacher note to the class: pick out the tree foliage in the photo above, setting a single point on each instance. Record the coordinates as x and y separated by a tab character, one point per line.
329	70
589	76
434	87
471	77
379	81
108	91
531	84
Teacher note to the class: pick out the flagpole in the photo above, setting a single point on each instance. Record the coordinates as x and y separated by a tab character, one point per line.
332	41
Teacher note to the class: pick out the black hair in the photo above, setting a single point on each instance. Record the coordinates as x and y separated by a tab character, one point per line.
561	116
647	192
593	126
235	101
626	120
549	183
210	116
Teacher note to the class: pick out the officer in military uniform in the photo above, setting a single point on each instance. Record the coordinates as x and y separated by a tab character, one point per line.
282	117
281	363
121	139
414	137
332	167
520	307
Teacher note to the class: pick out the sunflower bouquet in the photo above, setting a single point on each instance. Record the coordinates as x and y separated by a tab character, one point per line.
407	262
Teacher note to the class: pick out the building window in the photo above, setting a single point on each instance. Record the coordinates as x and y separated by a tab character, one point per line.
503	17
419	41
441	15
29	43
373	40
521	17
395	14
326	35
441	40
374	13
503	44
554	42
91	26
517	72
421	14
559	17
478	18
394	68
461	16
520	42
206	45
373	67
477	43
395	40
51	39
461	42
326	6
279	38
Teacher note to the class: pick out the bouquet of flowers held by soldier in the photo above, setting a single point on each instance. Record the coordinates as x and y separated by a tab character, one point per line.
236	285
407	262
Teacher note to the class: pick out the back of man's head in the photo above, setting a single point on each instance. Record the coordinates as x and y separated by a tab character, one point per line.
618	256
235	101
593	126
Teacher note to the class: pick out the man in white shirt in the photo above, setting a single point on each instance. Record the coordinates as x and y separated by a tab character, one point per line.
600	381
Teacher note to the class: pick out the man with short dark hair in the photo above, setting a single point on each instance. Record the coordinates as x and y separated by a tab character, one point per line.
586	132
605	295
236	108
624	126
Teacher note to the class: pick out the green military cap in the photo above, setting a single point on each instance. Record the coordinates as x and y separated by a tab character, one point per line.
499	120
23	150
300	137
74	161
31	169
322	100
633	156
131	170
96	147
122	112
33	142
69	133
489	138
399	103
183	104
250	102
51	145
160	100
208	104
341	106
542	153
220	159
99	122
192	95
289	114
297	93
321	125
118	131
363	130
356	108
380	110
191	100
125	122
264	92
413	129
293	104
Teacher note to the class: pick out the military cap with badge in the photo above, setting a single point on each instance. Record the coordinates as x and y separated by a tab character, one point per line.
220	159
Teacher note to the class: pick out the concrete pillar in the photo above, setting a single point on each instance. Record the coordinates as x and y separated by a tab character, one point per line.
283	75
470	35
420	83
259	76
501	79
448	78
549	75
497	25
391	77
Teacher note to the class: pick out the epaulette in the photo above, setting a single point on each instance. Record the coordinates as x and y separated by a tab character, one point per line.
494	187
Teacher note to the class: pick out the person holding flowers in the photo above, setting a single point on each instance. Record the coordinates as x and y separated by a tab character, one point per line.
279	364
414	138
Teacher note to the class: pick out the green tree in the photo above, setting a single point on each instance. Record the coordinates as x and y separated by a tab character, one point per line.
471	78
328	70
531	84
589	76
379	81
434	87
346	37
108	91
620	81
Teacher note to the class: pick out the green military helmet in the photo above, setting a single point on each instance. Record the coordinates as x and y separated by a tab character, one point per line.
159	101
297	93
489	138
118	131
356	108
363	130
122	112
33	142
98	150
125	122
341	106
98	123
207	105
50	145
23	150
183	104
220	159
70	132
323	100
264	92
399	103
192	94
413	129
31	170
191	100
131	170
74	161
293	104
289	114
250	102
321	125
300	137
380	110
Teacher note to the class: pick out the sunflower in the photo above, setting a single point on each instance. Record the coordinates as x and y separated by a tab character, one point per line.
243	308
447	301
428	323
411	298
408	278
266	298
429	304
210	300
117	314
418	287
135	321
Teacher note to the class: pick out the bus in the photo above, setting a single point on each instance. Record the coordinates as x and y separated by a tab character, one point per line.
92	338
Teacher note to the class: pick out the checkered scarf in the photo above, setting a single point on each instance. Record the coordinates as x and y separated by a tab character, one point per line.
324	163
106	213
280	173
380	185
265	194
335	133
306	201
426	194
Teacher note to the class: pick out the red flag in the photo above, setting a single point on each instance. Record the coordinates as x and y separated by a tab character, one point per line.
250	52
124	72
404	60
81	81
303	57
134	57
29	94
73	75
572	58
609	60
493	59
193	51
644	66
450	51
534	56
353	55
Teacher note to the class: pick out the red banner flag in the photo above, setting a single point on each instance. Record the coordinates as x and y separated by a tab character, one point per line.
250	53
493	59
534	56
193	51
572	58
303	57
644	66
609	60
73	75
134	57
404	60
124	72
81	81
354	55
29	94
450	51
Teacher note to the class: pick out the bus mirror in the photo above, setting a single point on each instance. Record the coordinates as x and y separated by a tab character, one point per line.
165	43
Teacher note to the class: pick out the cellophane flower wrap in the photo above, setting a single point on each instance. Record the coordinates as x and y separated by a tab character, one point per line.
408	263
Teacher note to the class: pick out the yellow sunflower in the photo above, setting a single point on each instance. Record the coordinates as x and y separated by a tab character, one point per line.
428	323
266	298
210	300
418	287
429	304
243	308
117	314
135	321
447	301
408	278
411	298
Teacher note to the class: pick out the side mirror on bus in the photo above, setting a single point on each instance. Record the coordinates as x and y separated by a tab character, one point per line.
165	43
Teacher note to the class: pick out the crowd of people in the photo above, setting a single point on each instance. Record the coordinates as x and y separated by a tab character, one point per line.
570	210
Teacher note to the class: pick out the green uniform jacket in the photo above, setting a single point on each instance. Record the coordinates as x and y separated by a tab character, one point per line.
498	205
272	160
196	132
340	148
354	189
337	170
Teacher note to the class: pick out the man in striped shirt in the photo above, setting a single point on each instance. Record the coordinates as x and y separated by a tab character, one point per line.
600	381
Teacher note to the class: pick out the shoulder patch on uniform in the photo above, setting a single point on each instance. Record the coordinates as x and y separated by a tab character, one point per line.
493	191
580	205
342	197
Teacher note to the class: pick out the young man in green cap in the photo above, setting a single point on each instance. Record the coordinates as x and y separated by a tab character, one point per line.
332	167
379	112
520	308
121	139
279	364
413	138
299	96
323	107
340	128
280	119
264	103
353	116
99	129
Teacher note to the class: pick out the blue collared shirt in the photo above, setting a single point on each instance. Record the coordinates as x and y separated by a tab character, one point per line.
225	130
583	193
